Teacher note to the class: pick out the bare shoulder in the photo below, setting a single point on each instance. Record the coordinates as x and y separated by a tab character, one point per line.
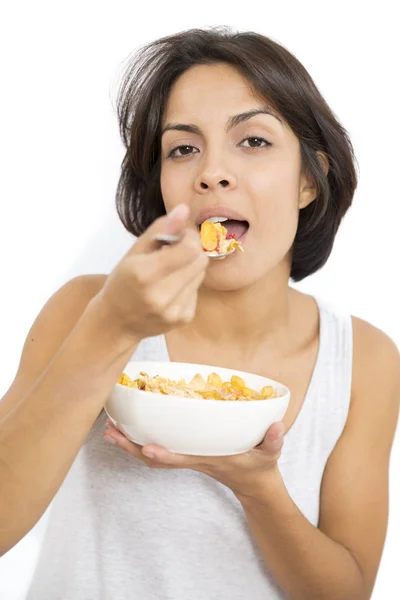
367	334
51	327
376	367
69	302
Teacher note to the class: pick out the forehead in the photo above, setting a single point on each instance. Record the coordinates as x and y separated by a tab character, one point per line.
208	86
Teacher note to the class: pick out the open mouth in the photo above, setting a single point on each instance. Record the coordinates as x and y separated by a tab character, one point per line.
236	228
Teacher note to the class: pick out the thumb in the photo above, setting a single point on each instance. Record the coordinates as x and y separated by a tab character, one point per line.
172	223
176	219
274	435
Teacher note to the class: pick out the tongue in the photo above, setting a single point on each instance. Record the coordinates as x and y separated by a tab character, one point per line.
236	227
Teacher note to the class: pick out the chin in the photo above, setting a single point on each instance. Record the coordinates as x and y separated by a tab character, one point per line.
229	277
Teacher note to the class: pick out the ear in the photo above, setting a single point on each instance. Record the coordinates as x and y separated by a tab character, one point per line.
308	188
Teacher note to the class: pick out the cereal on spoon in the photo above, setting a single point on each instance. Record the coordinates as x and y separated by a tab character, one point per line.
216	239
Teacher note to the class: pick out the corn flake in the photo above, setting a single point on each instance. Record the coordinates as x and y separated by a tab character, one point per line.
213	389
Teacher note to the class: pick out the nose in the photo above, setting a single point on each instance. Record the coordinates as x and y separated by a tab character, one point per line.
214	179
223	183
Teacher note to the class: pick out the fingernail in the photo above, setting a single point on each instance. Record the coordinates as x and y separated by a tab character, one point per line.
148	454
109	438
278	436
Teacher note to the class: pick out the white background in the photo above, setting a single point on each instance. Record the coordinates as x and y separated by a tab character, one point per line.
60	158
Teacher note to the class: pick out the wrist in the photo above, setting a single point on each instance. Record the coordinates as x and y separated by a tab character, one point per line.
265	489
107	324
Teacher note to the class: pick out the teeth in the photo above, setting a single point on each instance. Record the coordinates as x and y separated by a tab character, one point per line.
217	219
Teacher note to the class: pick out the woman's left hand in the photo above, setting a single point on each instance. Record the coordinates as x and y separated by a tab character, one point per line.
243	473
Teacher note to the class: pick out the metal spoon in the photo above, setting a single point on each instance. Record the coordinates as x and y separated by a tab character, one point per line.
173	239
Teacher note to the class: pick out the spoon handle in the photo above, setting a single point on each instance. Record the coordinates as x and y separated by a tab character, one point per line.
164	238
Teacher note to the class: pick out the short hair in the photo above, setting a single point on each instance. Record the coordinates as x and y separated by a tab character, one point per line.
276	77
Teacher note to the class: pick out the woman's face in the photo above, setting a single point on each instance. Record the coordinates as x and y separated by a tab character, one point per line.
215	167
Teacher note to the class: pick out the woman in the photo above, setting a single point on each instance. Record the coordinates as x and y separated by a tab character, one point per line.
223	125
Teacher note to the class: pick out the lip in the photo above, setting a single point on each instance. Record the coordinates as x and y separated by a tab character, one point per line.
219	211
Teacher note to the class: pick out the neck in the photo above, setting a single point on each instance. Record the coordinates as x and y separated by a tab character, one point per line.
246	318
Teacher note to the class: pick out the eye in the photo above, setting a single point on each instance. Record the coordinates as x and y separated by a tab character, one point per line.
257	139
185	146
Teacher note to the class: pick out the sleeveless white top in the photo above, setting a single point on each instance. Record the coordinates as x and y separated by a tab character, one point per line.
119	530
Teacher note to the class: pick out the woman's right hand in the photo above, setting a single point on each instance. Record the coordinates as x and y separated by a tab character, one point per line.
152	290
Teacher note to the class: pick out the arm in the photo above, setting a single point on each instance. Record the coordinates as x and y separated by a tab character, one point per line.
64	381
339	560
71	359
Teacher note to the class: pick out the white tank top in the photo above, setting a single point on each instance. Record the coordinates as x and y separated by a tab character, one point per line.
119	530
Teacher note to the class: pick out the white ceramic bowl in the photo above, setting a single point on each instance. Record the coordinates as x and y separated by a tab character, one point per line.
194	426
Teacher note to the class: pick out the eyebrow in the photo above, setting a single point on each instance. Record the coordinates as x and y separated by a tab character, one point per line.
232	121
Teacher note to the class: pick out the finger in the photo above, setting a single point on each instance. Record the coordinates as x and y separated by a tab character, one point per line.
156	456
169	259
183	306
184	280
113	435
276	432
172	223
165	291
164	457
274	437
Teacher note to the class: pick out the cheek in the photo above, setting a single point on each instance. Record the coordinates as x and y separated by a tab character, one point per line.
167	190
277	202
279	216
174	187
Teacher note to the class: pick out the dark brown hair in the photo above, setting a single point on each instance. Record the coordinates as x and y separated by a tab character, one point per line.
276	77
